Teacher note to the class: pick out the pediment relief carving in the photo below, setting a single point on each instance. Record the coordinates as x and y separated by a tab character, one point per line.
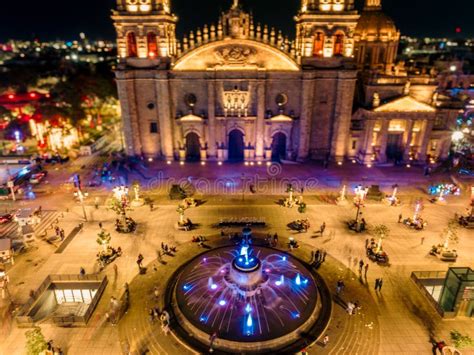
237	55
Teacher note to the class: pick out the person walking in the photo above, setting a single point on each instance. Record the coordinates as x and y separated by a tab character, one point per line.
312	257
366	269
140	261
339	287
400	217
422	240
322	228
152	206
82	271
323	259
377	281
326	340
317	256
361	265
380	284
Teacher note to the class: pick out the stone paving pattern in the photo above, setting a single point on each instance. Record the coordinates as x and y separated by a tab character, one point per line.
399	320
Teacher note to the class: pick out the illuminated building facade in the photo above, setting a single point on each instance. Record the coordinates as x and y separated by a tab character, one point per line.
241	91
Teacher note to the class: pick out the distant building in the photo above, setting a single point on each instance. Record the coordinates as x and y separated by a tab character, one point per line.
241	91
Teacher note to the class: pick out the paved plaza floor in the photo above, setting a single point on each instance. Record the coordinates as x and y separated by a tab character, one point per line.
397	320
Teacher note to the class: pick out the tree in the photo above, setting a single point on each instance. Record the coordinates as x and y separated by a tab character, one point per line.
450	233
460	340
35	342
103	239
381	231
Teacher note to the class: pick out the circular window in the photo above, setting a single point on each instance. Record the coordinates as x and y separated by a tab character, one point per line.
151	106
190	100
281	100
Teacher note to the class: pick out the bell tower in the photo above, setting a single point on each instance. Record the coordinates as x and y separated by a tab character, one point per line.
146	29
325	28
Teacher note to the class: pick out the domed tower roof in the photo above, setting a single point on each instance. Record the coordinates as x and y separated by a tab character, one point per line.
374	25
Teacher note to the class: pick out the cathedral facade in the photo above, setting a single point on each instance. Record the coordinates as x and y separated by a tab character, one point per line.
237	90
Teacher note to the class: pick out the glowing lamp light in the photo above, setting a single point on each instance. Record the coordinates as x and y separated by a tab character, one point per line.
339	163
353	161
32	95
11	96
284	258
369	165
181	163
408	165
168	162
246	163
150	159
252	164
269	163
298	280
259	163
152	54
219	163
213	287
222	303
453	68
457	136
203	163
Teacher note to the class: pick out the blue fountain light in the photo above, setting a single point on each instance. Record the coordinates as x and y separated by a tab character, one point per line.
222	303
248	308
280	281
248	329
298	279
213	287
295	315
203	319
187	287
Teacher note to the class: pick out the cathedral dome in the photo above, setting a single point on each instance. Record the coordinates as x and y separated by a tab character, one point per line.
374	25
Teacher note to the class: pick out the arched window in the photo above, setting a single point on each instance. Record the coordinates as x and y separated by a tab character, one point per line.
318	46
339	44
152	45
132	45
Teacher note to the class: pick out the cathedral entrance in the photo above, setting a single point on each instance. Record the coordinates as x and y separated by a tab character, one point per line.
279	147
394	147
193	147
236	145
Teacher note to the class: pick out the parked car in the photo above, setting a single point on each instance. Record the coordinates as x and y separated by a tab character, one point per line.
38	177
6	218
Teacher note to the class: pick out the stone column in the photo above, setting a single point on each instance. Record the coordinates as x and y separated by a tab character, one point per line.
306	117
131	130
260	127
383	141
342	116
408	139
427	129
211	114
164	117
367	151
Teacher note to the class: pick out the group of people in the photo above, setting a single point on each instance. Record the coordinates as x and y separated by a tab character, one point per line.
60	233
293	244
200	240
272	240
127	227
167	250
318	257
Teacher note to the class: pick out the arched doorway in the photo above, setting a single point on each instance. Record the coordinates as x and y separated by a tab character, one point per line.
193	147
339	44
279	147
132	45
318	45
394	150
236	145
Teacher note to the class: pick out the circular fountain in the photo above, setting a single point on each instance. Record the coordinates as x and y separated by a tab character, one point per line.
255	299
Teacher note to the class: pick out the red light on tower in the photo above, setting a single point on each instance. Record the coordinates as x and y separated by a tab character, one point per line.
11	96
32	95
458	29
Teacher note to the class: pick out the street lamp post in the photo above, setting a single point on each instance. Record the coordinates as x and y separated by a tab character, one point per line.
361	193
80	195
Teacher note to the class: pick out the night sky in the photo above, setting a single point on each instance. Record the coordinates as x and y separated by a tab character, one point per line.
64	19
